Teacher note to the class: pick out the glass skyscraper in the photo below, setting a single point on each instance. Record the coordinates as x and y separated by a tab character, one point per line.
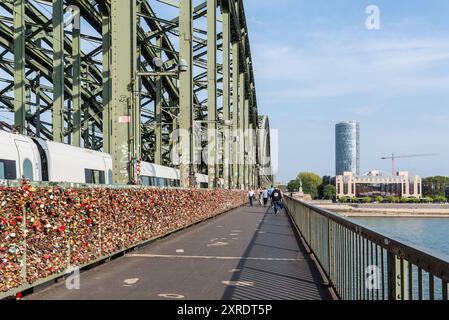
347	147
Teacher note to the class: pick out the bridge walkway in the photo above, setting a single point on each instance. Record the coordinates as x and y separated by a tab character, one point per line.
246	254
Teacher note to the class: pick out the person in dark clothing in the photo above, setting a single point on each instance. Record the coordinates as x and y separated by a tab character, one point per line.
276	198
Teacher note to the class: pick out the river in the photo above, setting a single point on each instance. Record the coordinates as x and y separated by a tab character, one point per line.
430	235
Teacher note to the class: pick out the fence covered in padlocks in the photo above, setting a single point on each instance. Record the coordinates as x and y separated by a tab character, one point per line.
44	231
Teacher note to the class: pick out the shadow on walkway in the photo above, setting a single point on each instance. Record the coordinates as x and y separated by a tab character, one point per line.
296	279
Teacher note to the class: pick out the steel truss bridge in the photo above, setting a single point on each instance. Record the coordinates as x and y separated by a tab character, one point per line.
103	74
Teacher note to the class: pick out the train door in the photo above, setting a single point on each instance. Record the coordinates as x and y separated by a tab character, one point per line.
28	162
108	169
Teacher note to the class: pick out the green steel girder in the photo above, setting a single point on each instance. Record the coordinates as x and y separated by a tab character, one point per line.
42	62
164	92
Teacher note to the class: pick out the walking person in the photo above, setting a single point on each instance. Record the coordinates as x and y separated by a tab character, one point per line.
260	193
251	196
270	192
265	196
276	198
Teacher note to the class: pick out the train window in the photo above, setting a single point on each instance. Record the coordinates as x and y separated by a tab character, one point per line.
28	170
161	182
94	176
145	181
8	169
110	176
204	185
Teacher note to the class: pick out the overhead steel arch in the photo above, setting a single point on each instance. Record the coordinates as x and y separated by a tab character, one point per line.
77	85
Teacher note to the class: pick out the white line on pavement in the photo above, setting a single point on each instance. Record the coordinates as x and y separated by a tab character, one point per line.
208	257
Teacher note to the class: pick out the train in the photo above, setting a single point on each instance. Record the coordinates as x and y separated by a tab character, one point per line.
36	159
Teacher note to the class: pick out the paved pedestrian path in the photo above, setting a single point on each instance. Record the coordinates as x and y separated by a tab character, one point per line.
246	254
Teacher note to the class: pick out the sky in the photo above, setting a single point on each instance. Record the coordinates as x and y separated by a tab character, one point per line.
316	63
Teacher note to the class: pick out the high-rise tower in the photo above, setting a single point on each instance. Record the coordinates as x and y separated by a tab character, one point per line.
347	147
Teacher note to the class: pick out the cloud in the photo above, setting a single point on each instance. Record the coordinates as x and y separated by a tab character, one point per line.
331	68
256	21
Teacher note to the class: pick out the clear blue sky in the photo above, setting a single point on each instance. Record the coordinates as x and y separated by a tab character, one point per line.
317	64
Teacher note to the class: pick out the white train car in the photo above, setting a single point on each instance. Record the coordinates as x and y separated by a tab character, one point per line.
202	181
41	160
66	163
159	176
19	157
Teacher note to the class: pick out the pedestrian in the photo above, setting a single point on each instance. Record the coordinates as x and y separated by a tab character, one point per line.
265	196
251	196
270	191
260	193
276	199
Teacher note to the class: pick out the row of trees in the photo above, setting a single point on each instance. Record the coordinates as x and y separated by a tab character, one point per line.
435	186
311	183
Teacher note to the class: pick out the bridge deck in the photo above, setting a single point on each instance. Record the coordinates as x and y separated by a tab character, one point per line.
249	253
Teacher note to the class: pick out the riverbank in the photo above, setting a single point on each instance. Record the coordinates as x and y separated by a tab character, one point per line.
386	210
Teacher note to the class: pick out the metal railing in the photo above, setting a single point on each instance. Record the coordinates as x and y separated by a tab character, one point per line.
364	265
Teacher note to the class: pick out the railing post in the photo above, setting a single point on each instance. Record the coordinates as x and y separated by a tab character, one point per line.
405	284
394	276
330	248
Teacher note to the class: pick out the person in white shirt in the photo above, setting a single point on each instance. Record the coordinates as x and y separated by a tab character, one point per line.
260	194
265	196
251	194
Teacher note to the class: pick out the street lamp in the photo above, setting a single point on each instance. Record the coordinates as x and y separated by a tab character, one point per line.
183	66
222	121
158	63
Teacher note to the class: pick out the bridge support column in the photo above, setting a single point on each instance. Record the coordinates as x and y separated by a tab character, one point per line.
58	70
19	66
125	144
226	97
248	146
242	133
76	75
158	111
212	92
107	120
251	156
235	116
186	93
38	101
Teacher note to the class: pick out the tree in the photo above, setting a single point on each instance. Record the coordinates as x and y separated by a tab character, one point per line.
310	183
434	186
293	185
329	192
327	180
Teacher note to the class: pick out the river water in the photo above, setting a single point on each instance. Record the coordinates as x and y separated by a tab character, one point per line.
430	235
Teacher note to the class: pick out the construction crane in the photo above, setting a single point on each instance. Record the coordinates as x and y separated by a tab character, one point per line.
394	157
